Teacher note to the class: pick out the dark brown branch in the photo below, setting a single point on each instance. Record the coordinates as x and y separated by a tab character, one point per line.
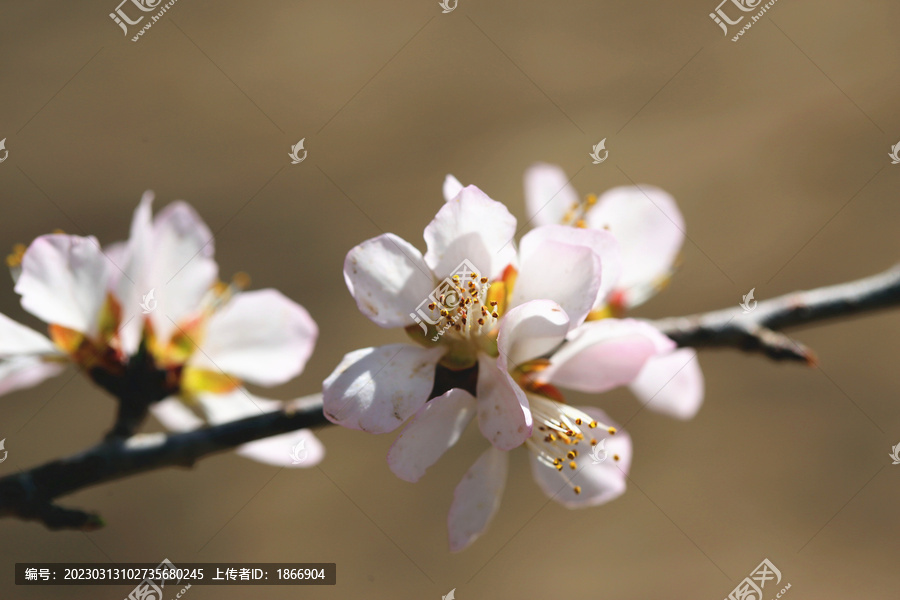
30	494
759	330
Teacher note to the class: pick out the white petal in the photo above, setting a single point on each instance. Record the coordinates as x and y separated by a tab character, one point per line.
471	227
20	372
530	330
565	273
671	384
64	281
16	339
601	355
296	450
132	279
477	498
452	188
548	194
600	482
431	432
377	389
261	337
650	230
175	416
389	279
503	414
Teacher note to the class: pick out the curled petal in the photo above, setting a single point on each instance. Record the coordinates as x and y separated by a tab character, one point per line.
548	194
377	389
64	281
388	278
671	384
601	355
530	330
261	337
431	432
477	498
597	483
503	414
471	227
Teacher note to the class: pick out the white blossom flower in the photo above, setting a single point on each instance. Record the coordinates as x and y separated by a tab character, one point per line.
147	319
512	312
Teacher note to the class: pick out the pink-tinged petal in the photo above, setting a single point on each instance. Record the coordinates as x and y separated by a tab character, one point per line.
261	337
175	416
16	339
599	482
64	281
650	230
20	372
181	268
565	273
477	498
389	279
602	242
503	414
671	384
377	389
295	450
601	355
452	188
471	227
431	432
548	194
131	279
529	331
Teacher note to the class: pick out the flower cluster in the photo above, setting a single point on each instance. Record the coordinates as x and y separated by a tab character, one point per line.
149	320
527	320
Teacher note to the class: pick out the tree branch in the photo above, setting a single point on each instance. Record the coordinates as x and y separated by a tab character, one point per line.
29	495
759	330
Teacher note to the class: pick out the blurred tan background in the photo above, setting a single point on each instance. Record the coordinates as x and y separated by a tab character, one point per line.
775	148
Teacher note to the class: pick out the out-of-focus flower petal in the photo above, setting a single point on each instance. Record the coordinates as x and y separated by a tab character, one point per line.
16	339
548	194
377	389
452	188
431	432
598	482
601	355
477	498
388	278
64	281
20	372
261	337
650	230
671	384
471	227
503	414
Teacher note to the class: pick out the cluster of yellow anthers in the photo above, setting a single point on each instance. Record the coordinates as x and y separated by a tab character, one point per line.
562	429
575	215
469	299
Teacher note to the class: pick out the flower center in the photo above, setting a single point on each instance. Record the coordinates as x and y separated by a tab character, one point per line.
561	433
